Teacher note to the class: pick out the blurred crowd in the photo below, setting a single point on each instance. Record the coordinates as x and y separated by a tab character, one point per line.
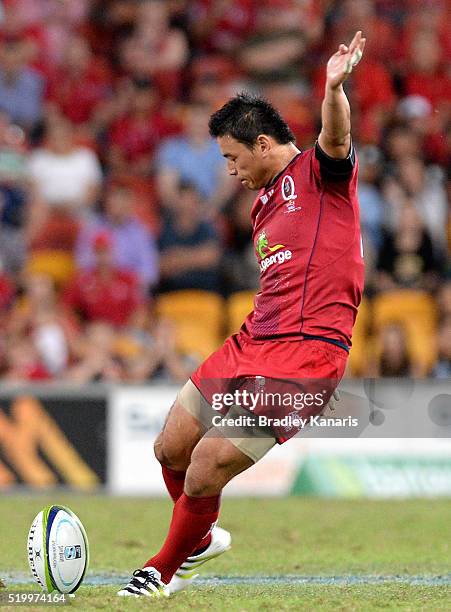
112	192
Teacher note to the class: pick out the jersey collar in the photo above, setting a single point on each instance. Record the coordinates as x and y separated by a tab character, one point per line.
277	177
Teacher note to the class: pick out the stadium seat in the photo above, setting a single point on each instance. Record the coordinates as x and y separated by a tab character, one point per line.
239	305
59	265
198	317
358	356
416	312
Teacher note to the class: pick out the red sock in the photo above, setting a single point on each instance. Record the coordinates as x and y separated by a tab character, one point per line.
174	481
192	518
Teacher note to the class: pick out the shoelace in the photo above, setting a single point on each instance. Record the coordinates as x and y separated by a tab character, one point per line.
147	578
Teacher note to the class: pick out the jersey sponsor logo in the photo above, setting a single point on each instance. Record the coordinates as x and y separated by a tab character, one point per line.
269	255
280	257
263	248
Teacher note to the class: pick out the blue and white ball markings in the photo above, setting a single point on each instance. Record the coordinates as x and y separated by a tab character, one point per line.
57	550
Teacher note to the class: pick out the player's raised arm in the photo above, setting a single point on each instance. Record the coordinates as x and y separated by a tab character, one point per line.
335	136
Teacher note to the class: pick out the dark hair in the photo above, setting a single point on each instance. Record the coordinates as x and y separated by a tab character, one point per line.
187	185
143	84
245	116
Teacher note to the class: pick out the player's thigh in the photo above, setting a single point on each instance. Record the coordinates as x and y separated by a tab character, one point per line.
182	430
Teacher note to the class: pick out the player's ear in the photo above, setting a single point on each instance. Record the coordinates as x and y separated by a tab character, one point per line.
264	144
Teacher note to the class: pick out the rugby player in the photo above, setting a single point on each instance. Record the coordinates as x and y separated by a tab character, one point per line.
307	240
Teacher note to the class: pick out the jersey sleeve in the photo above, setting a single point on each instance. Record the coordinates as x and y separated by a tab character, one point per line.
335	170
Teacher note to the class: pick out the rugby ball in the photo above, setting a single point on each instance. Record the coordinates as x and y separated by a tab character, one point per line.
57	549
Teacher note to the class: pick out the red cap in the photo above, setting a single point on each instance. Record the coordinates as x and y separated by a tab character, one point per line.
103	240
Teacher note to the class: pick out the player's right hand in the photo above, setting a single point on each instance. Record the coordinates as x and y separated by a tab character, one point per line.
342	63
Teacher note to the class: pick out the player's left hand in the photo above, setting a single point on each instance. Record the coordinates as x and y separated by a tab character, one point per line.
331	406
335	397
341	64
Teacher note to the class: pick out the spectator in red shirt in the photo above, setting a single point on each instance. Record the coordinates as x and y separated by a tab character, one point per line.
104	293
221	25
352	15
44	27
427	76
81	83
135	134
276	49
431	16
155	49
14	24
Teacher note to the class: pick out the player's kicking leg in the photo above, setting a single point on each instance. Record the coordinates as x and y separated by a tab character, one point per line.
214	462
173	448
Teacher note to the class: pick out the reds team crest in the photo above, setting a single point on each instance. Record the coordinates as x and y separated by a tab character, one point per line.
289	194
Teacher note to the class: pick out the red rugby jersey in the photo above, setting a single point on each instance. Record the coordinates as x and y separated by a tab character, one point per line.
307	240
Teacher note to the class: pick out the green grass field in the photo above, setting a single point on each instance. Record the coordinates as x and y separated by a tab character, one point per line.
271	537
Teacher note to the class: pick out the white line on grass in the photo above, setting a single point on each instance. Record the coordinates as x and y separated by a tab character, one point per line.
107	579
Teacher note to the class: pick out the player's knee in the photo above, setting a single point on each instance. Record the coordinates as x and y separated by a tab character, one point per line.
158	448
202	483
176	458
